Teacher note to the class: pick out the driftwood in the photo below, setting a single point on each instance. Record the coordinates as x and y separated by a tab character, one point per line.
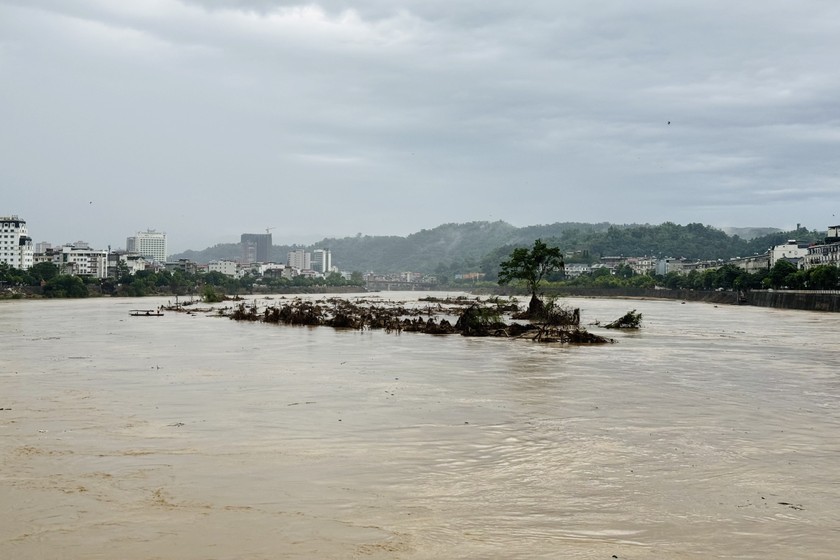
630	320
475	318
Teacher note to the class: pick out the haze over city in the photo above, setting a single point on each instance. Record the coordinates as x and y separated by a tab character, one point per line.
209	119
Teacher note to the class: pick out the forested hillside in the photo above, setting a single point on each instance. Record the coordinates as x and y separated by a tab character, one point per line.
480	246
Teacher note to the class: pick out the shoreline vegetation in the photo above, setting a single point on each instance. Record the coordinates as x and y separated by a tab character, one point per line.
475	317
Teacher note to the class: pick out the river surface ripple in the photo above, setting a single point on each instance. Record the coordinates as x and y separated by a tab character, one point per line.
714	432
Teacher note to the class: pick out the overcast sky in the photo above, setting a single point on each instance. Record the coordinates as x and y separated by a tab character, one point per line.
207	119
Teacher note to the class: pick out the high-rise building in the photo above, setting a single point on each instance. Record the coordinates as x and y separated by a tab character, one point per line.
300	259
256	247
322	260
15	243
149	243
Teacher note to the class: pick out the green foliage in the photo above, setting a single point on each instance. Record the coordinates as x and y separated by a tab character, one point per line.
779	274
65	286
630	320
531	266
824	277
210	294
555	314
783	275
150	282
475	320
43	271
11	276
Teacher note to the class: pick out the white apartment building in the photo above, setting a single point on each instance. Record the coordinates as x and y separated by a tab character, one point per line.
149	243
753	264
827	253
642	265
132	262
15	243
573	270
228	268
266	269
791	251
322	260
80	260
300	259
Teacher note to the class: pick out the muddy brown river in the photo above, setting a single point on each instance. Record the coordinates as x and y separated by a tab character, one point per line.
714	432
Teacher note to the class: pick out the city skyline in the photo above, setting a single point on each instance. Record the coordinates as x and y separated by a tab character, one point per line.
246	239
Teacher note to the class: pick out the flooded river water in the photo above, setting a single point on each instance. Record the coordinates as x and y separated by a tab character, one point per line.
714	432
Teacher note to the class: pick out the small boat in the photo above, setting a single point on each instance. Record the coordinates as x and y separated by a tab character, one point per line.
145	313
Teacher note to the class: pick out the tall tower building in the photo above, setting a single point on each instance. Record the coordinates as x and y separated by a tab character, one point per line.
149	243
15	243
300	259
256	247
322	260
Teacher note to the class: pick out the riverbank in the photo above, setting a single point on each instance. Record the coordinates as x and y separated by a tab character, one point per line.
795	299
779	299
94	291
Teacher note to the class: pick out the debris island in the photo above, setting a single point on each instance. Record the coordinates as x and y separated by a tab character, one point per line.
491	317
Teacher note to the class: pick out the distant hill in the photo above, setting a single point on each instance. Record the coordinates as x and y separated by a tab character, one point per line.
748	233
481	245
422	251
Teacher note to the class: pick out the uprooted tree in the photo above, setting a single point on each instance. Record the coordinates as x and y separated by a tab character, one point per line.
531	266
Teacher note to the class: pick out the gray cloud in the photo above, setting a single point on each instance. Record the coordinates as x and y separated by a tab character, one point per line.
208	119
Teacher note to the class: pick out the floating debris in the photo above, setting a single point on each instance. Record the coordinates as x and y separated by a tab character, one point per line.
630	320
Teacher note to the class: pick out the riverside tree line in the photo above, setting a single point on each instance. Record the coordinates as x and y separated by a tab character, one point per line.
45	279
783	275
545	263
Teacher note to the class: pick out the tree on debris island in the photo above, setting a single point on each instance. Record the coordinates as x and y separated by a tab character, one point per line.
531	266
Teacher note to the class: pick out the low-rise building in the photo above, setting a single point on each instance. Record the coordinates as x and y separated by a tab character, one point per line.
184	265
666	265
791	251
79	259
121	262
228	268
753	264
573	270
470	276
641	265
47	254
827	253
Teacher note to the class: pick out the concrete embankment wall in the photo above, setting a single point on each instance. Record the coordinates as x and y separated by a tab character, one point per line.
684	295
793	299
785	299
